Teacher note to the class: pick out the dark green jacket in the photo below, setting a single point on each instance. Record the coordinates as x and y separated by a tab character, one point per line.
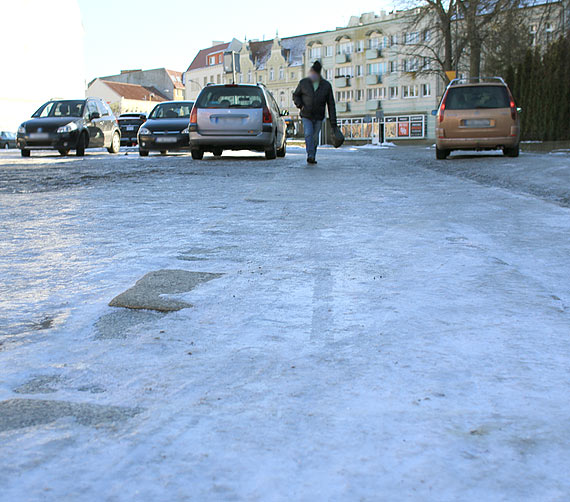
313	103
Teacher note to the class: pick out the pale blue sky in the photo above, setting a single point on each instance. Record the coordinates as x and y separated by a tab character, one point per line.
149	34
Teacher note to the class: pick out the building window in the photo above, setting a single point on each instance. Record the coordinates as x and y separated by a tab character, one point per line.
394	39
375	68
426	90
409	91
292	75
411	38
329	51
271	74
345	48
427	35
360	46
249	77
359	95
376	93
533	34
205	81
316	53
393	92
374	43
329	74
344	96
359	70
548	33
427	64
393	66
281	73
344	71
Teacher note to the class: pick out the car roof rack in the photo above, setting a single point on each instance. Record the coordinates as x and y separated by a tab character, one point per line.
476	80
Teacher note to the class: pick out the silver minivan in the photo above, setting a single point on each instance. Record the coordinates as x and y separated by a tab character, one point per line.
237	117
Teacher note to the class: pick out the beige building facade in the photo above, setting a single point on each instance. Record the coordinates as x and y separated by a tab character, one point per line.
125	98
379	88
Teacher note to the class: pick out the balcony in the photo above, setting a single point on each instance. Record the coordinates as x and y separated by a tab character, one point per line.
373	79
342	107
372	105
342	82
342	58
373	54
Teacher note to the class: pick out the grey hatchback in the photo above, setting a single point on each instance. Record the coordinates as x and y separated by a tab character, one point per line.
237	117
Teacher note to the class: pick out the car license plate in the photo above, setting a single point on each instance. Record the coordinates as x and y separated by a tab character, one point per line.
39	135
477	123
130	128
166	140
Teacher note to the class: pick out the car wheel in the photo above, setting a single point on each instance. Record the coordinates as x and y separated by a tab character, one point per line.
143	153
271	152
218	152
81	144
197	154
6	146
115	143
25	152
281	152
512	152
441	154
63	152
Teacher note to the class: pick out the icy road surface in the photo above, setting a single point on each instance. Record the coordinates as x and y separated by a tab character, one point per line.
387	327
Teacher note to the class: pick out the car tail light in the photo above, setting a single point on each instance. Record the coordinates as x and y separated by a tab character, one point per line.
267	117
513	107
194	116
442	108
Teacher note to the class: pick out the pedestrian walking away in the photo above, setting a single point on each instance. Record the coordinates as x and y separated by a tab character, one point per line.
312	96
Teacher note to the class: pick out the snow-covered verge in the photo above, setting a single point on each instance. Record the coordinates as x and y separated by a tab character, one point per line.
380	331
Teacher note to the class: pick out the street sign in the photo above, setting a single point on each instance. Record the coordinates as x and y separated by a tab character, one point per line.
451	75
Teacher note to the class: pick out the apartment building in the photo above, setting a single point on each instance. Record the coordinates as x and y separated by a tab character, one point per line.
381	88
278	64
168	82
207	67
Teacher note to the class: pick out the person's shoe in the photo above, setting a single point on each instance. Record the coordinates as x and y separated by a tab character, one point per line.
310	160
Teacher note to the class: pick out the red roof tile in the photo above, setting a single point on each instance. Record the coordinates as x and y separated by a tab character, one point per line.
137	92
201	59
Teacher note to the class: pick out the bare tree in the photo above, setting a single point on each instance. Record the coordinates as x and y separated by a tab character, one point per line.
438	42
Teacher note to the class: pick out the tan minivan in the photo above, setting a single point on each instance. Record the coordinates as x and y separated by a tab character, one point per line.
477	114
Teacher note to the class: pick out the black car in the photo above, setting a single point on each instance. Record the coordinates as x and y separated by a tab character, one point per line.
7	140
65	125
166	128
130	124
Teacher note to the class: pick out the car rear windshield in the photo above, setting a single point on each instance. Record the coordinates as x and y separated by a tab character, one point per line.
61	109
231	97
172	111
477	97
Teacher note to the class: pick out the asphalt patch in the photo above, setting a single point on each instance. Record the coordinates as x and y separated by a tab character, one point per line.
39	385
147	293
21	413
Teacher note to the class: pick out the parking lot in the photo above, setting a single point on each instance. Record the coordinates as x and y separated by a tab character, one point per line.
381	323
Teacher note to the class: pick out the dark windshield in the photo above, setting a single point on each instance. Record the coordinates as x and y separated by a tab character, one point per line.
477	97
231	97
179	110
61	109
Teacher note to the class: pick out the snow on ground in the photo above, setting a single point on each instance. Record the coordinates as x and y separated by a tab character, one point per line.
386	328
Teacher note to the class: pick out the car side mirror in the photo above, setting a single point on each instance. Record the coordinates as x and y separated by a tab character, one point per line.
284	113
434	112
94	115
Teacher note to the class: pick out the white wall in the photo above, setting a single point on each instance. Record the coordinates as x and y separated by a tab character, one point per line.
31	31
